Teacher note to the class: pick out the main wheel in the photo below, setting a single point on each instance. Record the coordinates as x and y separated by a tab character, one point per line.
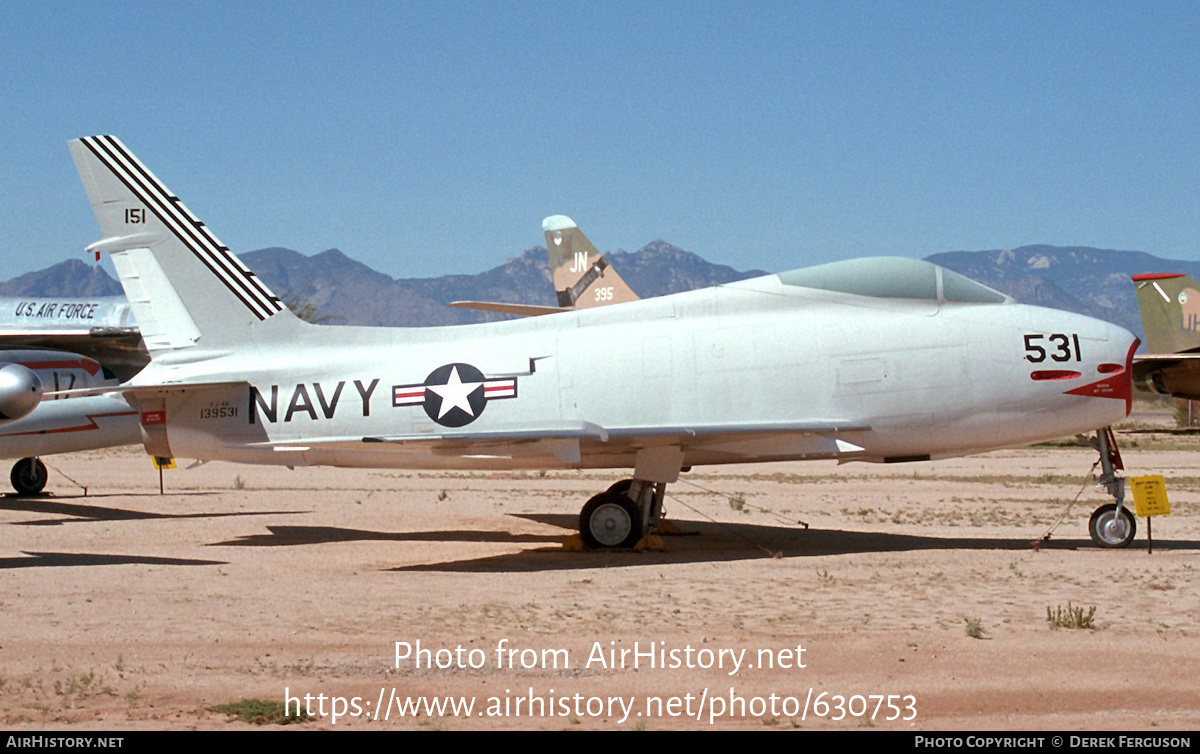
28	476
1111	529
610	519
621	486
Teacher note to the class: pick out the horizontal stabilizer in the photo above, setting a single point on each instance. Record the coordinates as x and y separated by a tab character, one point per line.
521	310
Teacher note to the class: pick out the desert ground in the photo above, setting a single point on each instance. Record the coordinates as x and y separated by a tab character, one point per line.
909	596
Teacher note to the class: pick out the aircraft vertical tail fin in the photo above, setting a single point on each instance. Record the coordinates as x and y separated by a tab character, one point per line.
185	287
582	276
1170	307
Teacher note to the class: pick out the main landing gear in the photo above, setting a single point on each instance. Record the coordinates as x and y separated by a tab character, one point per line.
1111	525
622	514
28	476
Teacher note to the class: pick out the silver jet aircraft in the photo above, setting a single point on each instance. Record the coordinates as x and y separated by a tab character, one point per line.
873	359
56	345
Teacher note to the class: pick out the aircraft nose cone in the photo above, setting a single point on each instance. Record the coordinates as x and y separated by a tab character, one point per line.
20	391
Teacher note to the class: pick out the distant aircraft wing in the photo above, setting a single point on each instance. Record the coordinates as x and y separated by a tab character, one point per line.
121	352
521	310
101	328
1175	374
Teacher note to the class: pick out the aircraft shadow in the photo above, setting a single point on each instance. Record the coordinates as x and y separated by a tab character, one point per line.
78	512
8	498
712	542
286	536
71	559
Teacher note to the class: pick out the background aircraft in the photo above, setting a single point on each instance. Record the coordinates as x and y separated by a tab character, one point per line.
56	345
581	275
886	360
101	329
1170	307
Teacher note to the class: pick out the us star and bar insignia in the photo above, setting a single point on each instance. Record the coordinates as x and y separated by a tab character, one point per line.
454	395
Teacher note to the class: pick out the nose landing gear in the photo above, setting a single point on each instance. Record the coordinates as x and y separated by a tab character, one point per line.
28	476
1111	525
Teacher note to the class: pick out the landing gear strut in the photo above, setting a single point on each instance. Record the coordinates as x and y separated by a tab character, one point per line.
28	476
1111	525
622	514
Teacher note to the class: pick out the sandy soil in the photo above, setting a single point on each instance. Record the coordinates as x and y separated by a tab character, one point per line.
125	608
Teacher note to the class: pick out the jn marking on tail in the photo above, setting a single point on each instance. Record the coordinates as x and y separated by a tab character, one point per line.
189	230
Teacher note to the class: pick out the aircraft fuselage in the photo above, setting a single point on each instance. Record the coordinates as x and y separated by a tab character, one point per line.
753	371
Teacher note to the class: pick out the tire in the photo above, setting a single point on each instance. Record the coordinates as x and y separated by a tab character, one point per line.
621	486
28	476
1110	529
610	520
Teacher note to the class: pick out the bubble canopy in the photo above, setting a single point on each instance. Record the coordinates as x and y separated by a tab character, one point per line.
893	277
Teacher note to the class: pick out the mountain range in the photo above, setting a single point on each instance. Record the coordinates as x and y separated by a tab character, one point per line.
344	291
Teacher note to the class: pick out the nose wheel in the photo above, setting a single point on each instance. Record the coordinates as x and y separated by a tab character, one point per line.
28	476
1112	526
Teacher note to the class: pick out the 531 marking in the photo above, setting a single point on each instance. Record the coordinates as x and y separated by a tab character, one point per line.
1058	346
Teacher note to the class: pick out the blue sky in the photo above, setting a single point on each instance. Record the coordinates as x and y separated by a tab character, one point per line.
426	138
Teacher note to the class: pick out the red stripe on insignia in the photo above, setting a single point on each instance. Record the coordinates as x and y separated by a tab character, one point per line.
500	389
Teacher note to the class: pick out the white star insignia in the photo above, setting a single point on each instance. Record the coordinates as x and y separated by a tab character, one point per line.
455	393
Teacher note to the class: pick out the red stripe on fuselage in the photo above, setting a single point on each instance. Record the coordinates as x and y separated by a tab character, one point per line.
80	428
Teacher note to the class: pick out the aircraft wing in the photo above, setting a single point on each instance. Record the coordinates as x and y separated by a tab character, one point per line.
147	391
120	351
572	442
1153	360
100	328
1176	374
521	310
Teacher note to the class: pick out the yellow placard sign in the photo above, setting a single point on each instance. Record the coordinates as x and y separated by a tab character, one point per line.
1150	496
169	463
